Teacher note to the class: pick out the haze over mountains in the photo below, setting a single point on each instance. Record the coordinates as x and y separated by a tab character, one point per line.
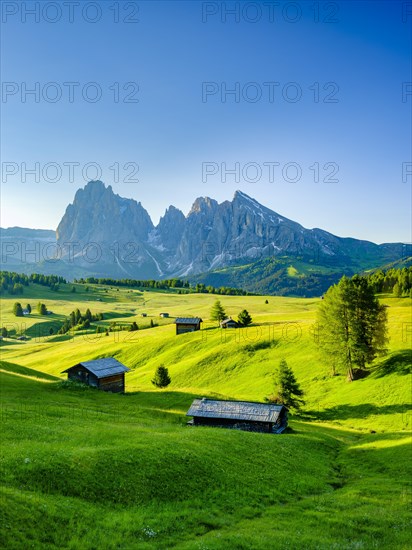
102	234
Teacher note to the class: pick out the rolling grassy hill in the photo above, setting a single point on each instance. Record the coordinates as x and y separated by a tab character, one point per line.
85	469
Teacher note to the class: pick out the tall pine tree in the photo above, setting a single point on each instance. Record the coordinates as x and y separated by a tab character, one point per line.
217	313
161	378
287	389
244	319
77	316
41	309
352	326
17	309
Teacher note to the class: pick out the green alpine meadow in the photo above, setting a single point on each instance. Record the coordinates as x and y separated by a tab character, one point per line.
206	275
88	469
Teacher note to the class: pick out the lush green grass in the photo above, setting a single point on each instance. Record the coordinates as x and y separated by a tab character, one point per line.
235	363
85	469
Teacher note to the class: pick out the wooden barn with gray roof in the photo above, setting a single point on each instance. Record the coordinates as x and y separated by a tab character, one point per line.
106	374
187	324
240	415
229	323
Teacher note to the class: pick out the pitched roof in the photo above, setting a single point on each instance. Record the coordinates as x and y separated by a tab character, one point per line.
235	410
189	320
102	368
230	320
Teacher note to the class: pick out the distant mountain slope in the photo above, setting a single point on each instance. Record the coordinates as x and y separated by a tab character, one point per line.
21	247
26	233
283	276
105	235
397	264
286	276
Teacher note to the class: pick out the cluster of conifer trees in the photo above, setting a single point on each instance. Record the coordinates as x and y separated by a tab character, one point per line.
14	283
165	284
79	321
135	283
398	281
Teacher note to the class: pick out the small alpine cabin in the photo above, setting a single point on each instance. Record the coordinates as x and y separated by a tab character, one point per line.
239	415
229	323
164	315
106	374
187	324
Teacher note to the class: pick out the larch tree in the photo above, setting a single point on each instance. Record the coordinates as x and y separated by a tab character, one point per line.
352	326
41	309
17	309
217	313
77	316
287	390
244	319
161	378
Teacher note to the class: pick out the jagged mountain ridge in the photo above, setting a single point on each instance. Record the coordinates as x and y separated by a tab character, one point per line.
125	242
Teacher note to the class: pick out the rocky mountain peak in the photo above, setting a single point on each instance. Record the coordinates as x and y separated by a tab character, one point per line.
171	215
94	188
98	215
211	236
241	199
172	211
239	195
203	204
170	229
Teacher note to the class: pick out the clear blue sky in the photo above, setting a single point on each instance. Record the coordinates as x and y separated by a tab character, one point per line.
171	131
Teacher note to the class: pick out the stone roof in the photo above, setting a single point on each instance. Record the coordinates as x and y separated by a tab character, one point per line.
235	410
188	320
102	368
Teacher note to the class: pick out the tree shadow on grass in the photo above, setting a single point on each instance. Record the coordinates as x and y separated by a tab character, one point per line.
109	315
13	368
345	412
169	403
40	330
398	362
10	342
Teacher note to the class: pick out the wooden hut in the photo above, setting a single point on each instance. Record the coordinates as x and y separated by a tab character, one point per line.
240	415
187	324
164	315
106	374
229	323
